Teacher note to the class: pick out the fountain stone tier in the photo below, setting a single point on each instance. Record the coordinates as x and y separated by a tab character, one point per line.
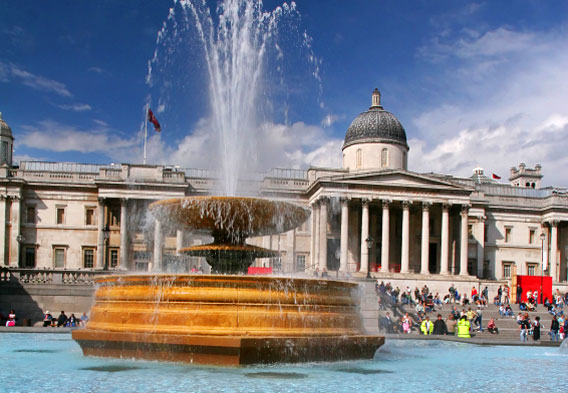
230	220
225	320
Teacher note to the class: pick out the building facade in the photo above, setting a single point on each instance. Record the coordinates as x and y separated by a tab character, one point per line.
371	215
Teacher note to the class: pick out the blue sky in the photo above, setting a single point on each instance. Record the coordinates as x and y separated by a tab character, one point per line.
473	83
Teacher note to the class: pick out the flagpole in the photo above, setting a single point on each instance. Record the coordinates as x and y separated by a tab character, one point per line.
145	131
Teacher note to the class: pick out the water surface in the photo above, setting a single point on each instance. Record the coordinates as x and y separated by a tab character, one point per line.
37	363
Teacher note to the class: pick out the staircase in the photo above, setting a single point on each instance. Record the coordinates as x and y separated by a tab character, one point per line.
509	332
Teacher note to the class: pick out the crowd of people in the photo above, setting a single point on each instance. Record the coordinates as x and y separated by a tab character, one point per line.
48	319
463	323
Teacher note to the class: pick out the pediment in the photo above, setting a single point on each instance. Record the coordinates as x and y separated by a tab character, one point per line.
398	179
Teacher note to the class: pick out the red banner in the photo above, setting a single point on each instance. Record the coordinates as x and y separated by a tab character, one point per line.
259	270
535	283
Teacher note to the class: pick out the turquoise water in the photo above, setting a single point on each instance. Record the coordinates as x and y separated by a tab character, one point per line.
54	363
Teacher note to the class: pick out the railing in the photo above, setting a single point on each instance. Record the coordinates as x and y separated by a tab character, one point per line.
56	277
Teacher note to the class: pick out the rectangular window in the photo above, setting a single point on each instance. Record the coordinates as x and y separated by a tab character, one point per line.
507	267
89	216
88	258
30	257
61	215
508	234
532	236
30	215
5	152
113	256
59	257
531	269
300	263
470	231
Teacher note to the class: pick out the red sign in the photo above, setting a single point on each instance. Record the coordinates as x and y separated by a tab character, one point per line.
259	270
535	283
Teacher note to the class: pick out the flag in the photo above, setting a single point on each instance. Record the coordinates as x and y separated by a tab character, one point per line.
497	177
152	119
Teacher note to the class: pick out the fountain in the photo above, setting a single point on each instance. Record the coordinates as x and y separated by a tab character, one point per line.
227	318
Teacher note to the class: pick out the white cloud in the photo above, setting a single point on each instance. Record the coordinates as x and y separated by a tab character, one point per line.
97	70
52	136
76	107
512	88
273	145
36	82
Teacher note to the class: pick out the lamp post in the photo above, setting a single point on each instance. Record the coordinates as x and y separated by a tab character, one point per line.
106	236
20	239
542	237
369	243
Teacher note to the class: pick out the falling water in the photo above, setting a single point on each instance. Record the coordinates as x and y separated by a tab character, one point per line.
239	42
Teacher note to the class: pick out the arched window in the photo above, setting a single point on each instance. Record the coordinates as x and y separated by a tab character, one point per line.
384	158
359	158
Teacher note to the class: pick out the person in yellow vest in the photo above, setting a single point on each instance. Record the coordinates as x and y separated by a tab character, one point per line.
427	326
463	326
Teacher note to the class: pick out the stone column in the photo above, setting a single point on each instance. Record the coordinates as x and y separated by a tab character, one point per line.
15	246
364	235
157	246
344	234
553	250
316	234
123	233
373	232
290	252
445	246
480	236
323	234
425	244
3	217
464	239
385	238
179	241
405	244
313	236
100	234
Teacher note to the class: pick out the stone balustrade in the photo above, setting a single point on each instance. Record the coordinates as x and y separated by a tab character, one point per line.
41	277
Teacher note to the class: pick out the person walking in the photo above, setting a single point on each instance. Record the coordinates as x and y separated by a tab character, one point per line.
536	329
440	327
554	328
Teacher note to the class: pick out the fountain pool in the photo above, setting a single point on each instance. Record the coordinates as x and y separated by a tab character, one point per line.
50	363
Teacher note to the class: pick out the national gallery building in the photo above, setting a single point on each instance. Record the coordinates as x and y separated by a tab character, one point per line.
371	215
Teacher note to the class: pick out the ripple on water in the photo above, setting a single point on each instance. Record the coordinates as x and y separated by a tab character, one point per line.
110	369
363	371
36	350
276	375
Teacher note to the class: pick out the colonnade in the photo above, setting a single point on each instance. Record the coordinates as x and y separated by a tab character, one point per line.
319	239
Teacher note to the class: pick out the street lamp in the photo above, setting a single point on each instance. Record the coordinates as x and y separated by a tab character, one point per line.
106	236
20	239
369	243
542	237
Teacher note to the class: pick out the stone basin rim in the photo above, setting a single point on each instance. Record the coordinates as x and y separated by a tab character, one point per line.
144	277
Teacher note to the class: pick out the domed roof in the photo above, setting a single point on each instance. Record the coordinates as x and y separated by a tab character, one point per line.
375	125
5	129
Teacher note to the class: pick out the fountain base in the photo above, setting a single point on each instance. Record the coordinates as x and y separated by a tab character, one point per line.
226	351
225	320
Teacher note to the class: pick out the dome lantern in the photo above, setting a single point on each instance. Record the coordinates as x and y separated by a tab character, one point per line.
375	140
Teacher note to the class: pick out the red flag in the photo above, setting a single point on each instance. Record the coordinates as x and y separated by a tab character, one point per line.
496	177
152	119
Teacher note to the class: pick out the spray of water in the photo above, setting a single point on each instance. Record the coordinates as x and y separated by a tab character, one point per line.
237	44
